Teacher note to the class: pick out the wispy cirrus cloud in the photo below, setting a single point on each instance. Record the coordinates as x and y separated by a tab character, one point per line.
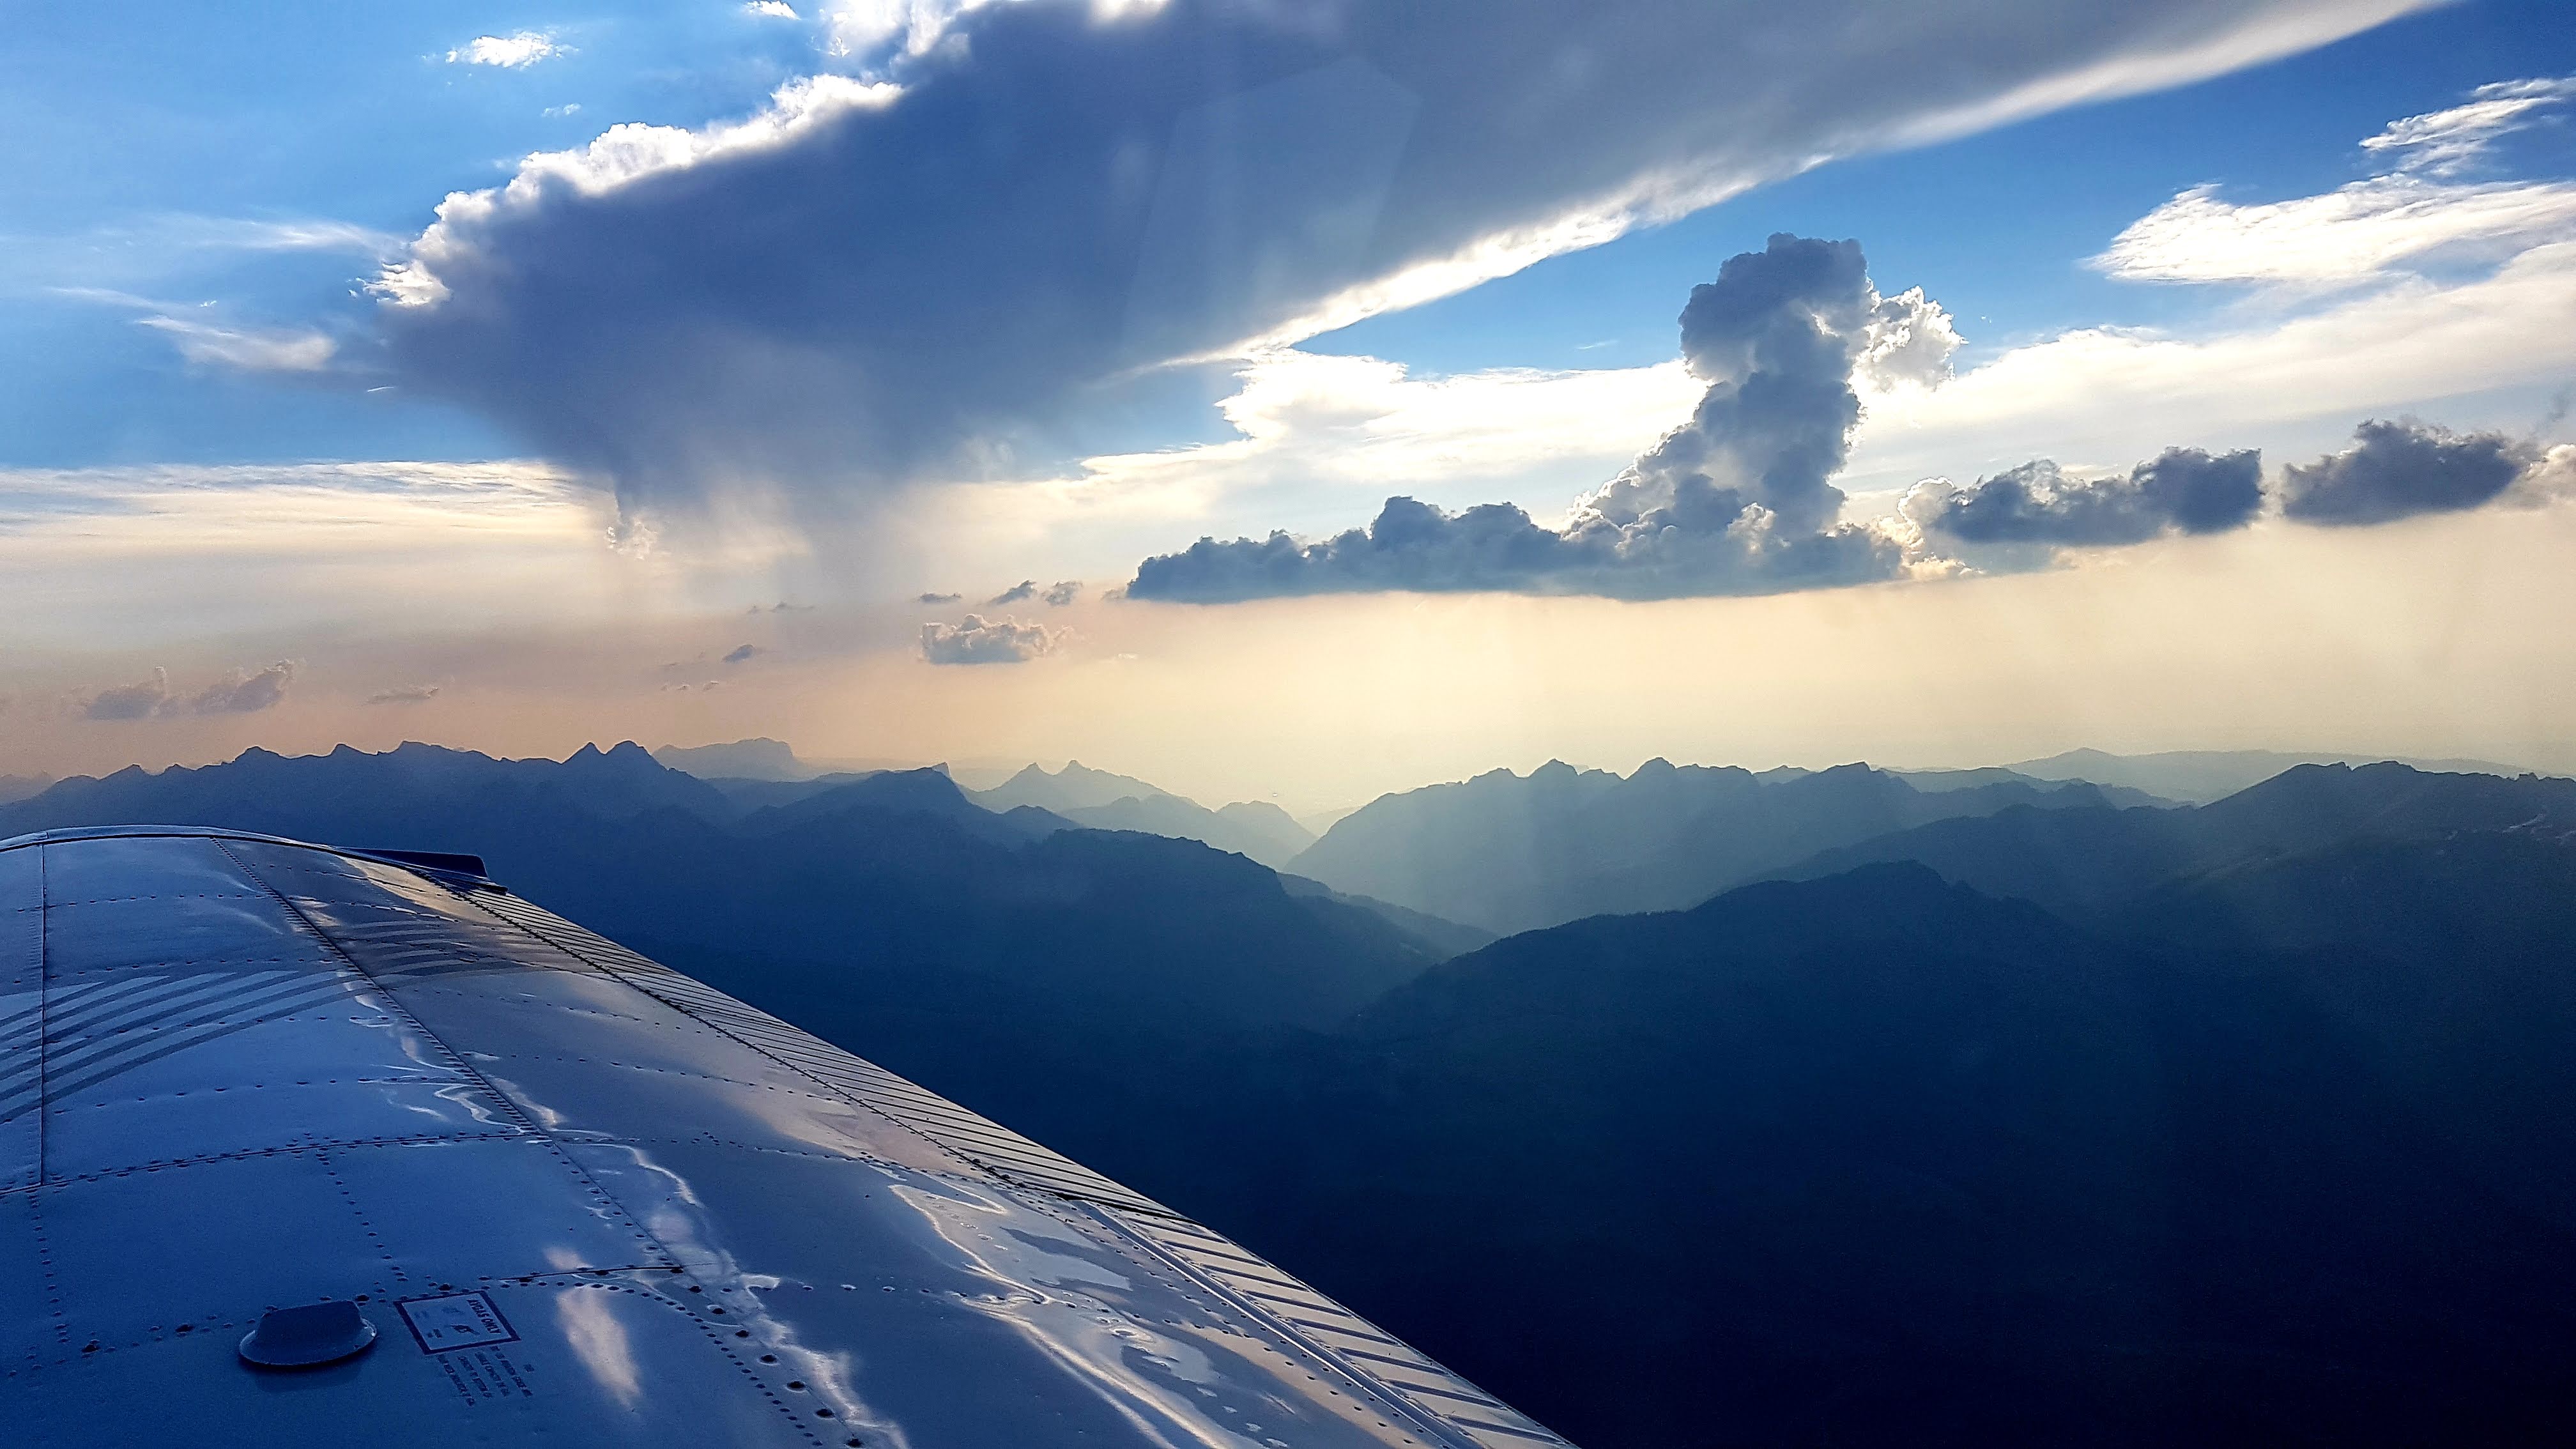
2444	142
247	349
201	338
2425	205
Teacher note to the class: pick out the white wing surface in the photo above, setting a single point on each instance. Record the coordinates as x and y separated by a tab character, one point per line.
509	1182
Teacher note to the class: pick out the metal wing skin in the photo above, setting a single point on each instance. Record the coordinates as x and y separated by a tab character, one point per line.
577	1197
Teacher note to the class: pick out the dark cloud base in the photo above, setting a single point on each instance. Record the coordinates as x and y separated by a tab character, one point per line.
861	290
2184	490
2400	469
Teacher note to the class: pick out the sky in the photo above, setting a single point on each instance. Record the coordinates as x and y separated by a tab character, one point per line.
1289	399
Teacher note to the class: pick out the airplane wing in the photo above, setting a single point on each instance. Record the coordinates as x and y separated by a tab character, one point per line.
314	1146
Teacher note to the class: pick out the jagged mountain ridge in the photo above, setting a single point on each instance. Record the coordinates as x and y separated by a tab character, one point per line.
2200	776
2084	862
1100	800
895	880
1508	853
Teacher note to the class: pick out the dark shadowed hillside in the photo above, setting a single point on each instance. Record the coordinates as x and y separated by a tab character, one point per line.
1509	852
1878	1160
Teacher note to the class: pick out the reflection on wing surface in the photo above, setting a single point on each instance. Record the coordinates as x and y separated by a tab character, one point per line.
576	1194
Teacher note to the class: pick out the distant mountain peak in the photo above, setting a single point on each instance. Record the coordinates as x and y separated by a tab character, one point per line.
757	758
1075	787
1507	853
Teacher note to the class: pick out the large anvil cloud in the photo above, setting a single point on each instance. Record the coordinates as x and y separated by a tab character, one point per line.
877	281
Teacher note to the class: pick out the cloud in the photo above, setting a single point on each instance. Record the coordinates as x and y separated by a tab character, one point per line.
146	700
251	351
771	9
743	654
1737	500
807	300
405	694
2443	142
510	52
246	692
1020	592
976	641
941	598
2184	490
2417	209
2113	394
1063	592
127	557
2551	480
2399	469
241	692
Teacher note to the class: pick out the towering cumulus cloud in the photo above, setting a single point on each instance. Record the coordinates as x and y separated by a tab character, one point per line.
2395	470
906	274
1737	500
2184	490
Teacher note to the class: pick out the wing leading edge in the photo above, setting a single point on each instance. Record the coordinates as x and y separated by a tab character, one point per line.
573	1194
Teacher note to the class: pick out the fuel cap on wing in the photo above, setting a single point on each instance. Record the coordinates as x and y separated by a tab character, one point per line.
305	1336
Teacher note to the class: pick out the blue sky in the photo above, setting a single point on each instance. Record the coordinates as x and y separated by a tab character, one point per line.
865	304
1998	225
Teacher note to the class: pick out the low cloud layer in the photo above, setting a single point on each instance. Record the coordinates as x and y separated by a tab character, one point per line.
247	692
241	692
1742	500
2184	490
132	701
2399	469
808	300
1739	499
977	640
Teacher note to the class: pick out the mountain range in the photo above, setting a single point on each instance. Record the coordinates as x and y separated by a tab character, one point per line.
2037	1116
2200	776
1103	801
1510	852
